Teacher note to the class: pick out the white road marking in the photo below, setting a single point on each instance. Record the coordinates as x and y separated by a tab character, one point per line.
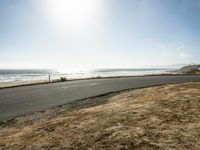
93	84
89	84
66	87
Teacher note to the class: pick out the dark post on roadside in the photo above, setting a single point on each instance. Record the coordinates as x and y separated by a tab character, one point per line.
49	78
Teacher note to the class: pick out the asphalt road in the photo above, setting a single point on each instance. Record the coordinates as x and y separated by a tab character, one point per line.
26	99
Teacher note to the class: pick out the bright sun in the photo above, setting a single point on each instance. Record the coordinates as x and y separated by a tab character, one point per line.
72	14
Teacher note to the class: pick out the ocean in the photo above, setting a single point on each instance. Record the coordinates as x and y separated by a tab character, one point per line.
11	75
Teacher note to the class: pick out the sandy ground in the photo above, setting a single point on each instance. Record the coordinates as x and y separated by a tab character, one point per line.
163	117
20	83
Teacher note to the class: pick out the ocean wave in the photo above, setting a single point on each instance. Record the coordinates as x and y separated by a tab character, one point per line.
29	75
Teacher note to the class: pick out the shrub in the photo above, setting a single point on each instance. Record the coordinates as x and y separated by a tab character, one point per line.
98	77
62	79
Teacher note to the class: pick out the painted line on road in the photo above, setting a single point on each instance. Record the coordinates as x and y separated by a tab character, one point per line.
90	84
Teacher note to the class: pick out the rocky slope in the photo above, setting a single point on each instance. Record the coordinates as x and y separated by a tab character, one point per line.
190	69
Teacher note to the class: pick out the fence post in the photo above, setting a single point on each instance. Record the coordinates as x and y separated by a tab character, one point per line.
49	78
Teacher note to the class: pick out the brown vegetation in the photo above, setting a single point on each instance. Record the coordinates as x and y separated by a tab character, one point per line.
164	117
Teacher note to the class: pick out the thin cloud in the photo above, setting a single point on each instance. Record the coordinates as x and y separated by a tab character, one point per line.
183	55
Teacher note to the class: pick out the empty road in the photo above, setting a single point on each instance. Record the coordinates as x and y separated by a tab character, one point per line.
26	99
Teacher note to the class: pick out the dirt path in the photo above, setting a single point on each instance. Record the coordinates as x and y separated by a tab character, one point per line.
164	117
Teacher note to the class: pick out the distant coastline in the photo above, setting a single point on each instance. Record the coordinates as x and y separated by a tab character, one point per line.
37	82
22	77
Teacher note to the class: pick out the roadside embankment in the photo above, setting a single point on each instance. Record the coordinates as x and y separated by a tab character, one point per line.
162	117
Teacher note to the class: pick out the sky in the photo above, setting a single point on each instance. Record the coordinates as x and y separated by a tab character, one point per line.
84	34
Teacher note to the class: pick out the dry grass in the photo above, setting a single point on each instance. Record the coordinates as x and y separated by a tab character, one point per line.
164	117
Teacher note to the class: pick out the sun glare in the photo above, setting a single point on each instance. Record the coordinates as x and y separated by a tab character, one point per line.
72	14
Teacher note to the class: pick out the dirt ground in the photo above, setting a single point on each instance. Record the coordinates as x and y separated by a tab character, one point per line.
163	117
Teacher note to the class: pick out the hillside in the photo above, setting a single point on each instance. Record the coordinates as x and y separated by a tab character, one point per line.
190	69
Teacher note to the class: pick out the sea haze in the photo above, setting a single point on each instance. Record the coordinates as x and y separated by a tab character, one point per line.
10	75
